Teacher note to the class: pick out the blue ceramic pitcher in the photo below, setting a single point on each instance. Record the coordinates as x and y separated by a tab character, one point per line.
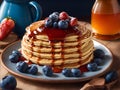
23	12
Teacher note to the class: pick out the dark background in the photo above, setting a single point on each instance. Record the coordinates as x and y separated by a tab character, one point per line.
77	8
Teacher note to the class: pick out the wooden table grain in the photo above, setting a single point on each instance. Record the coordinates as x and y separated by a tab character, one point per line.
24	84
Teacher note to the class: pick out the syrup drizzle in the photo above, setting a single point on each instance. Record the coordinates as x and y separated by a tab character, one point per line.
62	53
52	51
79	51
55	35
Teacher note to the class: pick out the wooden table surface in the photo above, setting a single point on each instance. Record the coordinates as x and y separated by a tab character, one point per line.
24	84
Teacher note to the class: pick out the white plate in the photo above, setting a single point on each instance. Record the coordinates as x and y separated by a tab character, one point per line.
57	77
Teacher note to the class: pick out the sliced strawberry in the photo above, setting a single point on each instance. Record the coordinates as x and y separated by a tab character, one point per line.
6	26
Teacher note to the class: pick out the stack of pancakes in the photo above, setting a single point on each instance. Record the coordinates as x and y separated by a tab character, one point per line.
72	52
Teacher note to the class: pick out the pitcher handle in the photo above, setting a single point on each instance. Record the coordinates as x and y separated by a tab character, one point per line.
38	12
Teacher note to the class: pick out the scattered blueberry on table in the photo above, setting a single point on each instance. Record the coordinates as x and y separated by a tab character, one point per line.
111	76
8	83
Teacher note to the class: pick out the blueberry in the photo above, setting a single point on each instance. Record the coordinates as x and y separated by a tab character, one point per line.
54	17
56	13
22	66
62	24
111	76
48	23
92	67
55	24
13	58
32	69
98	53
47	70
8	83
76	72
98	61
67	72
16	52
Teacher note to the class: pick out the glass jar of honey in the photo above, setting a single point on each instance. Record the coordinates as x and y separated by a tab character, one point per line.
105	19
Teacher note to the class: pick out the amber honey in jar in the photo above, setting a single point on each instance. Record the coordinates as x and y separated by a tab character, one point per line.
105	19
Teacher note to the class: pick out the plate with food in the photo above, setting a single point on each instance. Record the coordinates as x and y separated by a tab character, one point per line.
57	49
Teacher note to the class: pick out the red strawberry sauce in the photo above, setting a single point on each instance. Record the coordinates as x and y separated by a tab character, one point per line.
55	34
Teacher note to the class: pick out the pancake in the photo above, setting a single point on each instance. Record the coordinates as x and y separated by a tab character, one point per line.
73	49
